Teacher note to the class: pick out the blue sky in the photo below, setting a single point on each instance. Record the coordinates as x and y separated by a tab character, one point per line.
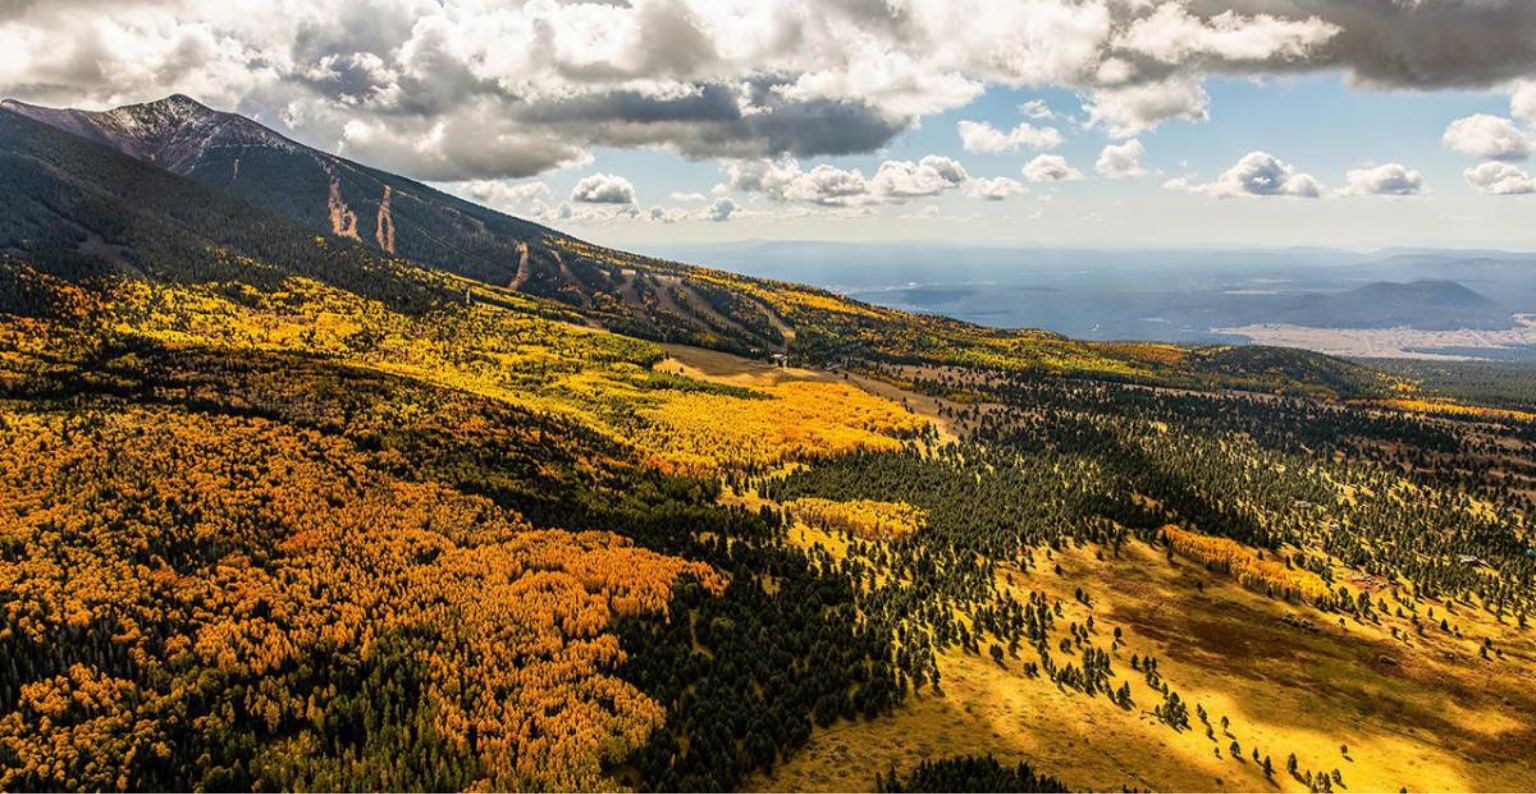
1318	123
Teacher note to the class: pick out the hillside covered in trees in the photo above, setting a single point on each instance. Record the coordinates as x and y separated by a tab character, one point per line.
283	507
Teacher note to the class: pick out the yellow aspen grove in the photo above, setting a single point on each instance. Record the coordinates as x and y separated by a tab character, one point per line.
1243	564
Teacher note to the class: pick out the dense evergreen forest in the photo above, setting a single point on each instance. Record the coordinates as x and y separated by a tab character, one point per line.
1504	384
1053	461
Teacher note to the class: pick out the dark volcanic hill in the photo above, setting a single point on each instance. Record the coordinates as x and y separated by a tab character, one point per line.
1425	292
1426	304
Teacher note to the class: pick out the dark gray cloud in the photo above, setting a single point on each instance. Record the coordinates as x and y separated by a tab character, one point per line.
711	122
1413	43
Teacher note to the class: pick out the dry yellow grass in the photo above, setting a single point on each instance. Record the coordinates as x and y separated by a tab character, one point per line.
718	367
1410	718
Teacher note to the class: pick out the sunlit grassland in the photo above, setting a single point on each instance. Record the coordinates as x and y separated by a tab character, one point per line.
1410	716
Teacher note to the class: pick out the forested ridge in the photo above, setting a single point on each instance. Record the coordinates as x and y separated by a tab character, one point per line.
1389	531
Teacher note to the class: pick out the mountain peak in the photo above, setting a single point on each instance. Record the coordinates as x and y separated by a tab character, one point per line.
173	132
176	108
180	99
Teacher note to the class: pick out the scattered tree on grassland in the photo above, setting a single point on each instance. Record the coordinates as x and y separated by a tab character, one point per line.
968	773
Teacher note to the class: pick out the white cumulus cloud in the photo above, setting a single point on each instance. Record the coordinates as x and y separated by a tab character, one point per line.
1120	161
894	181
1489	137
504	194
1522	101
603	188
1050	168
1387	179
1257	175
1172	34
981	137
1037	109
995	188
901	179
1129	110
1500	179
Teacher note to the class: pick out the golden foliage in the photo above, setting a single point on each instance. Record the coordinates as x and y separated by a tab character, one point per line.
212	564
800	421
219	555
601	380
1445	407
791	298
866	518
1243	564
1155	352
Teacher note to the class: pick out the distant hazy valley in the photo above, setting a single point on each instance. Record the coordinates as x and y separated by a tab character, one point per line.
1394	303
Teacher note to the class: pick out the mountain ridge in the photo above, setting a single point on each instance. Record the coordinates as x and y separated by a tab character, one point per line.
399	219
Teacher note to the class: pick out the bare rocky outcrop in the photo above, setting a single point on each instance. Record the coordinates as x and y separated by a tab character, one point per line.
343	219
384	234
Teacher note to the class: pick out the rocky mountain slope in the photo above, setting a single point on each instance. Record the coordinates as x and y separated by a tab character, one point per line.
176	133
